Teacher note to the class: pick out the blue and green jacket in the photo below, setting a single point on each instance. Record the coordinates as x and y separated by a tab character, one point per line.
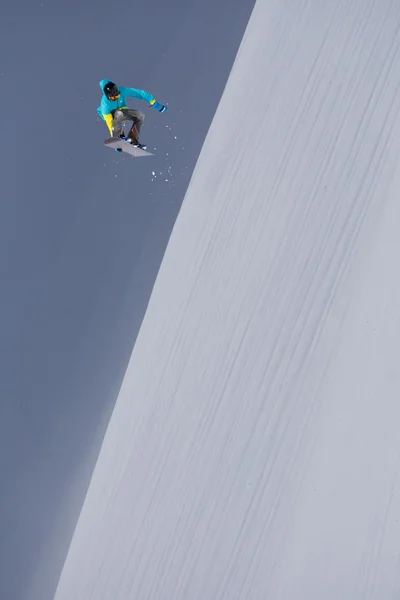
107	107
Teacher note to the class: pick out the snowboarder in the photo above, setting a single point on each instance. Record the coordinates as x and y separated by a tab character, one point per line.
114	110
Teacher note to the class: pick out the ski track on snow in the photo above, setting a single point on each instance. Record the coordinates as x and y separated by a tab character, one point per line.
254	449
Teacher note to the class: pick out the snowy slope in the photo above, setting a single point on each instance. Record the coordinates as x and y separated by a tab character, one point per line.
254	451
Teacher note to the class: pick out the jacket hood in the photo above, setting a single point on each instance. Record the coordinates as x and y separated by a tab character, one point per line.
103	83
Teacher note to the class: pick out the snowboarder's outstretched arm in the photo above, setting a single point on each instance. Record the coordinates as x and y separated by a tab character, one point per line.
142	95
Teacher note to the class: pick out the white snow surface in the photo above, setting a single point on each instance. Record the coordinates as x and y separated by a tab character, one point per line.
254	451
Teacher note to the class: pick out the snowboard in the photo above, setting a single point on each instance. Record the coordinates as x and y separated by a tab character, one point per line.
120	144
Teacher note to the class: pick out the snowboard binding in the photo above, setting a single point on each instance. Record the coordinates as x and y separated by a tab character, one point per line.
132	138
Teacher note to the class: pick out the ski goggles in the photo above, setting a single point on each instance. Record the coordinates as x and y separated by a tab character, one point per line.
114	97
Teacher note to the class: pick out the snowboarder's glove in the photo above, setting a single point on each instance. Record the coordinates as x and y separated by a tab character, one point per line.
160	107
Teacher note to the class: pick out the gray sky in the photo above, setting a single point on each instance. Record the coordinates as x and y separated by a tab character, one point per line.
82	233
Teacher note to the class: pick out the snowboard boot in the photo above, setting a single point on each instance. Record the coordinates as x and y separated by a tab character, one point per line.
141	146
133	136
